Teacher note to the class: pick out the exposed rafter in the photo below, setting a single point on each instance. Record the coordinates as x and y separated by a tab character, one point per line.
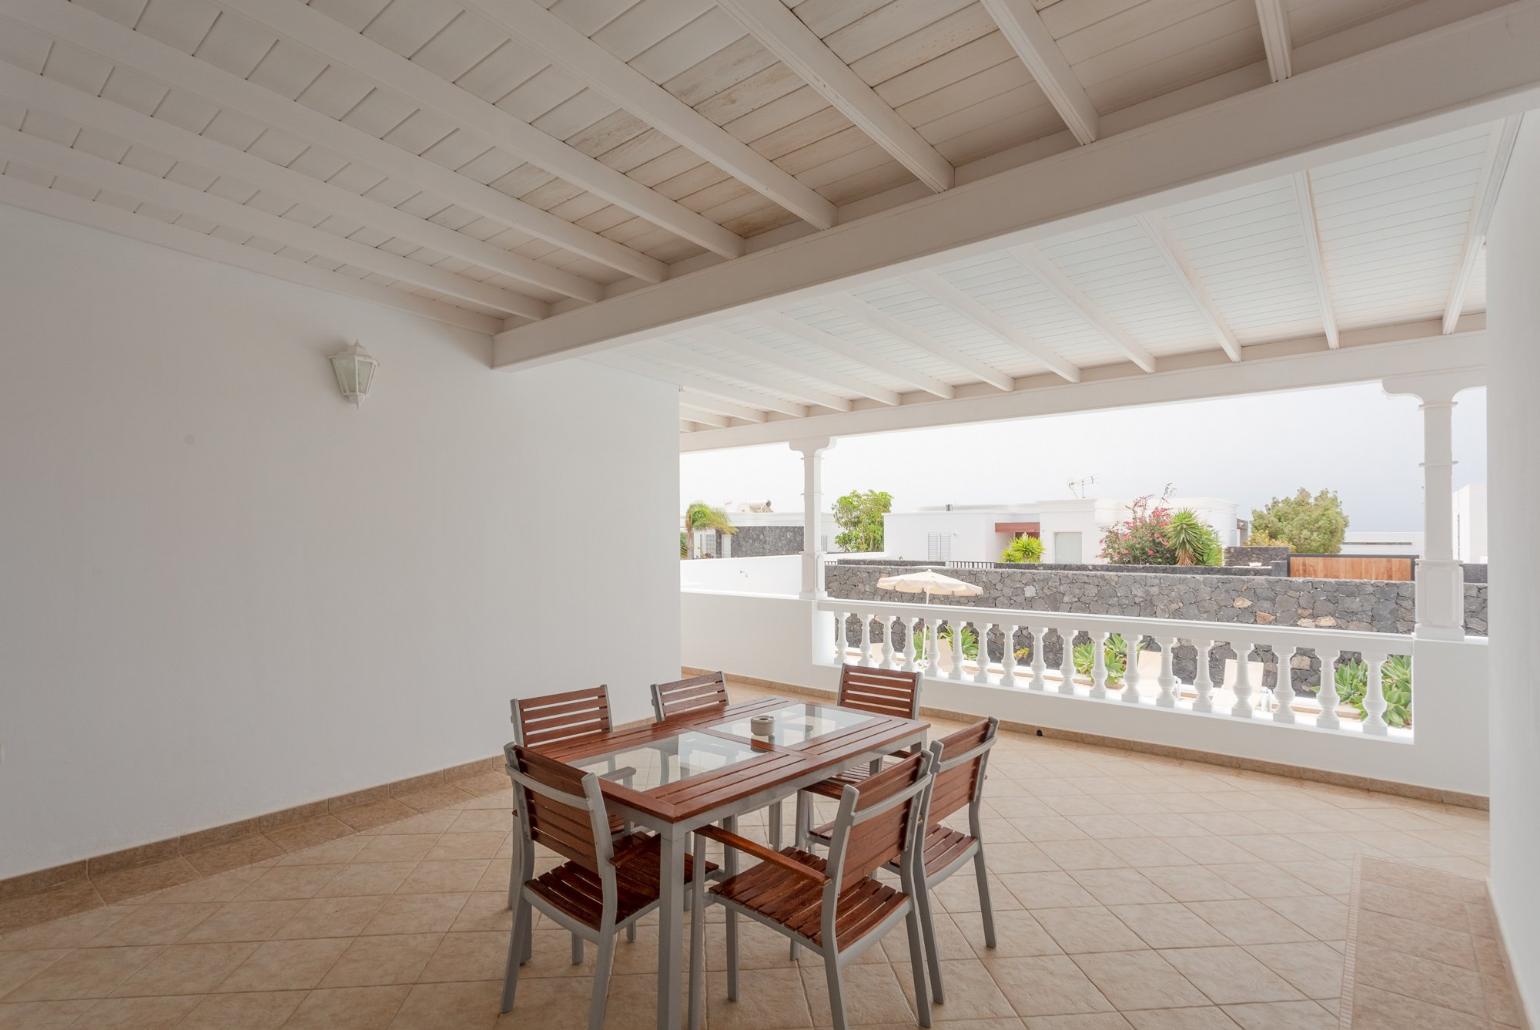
1499	152
84	167
1023	28
1275	38
630	90
727	368
1305	197
855	308
175	68
145	229
781	32
705	391
897	369
971	309
1161	235
90	111
688	413
491	124
1066	290
856	386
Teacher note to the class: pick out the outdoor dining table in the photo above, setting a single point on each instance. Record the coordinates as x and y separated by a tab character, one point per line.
703	768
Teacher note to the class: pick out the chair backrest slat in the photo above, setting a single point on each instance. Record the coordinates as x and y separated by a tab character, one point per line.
555	718
880	837
547	789
689	696
959	778
881	691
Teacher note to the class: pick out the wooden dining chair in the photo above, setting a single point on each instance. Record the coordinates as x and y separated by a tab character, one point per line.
835	907
606	882
881	692
957	782
701	695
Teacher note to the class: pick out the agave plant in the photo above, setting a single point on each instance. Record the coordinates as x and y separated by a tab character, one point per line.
1395	683
1114	657
1194	542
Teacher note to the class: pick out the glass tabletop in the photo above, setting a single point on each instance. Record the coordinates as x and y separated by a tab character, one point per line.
795	723
669	759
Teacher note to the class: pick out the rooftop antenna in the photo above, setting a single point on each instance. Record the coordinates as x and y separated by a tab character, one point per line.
1077	487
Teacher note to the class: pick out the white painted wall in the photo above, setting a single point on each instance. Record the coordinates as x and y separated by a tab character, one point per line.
1470	523
1513	470
227	592
970	535
771	574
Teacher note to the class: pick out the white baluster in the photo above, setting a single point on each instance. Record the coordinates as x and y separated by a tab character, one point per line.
909	648
889	652
1327	695
1284	691
1099	665
982	629
866	638
1374	696
933	647
1203	683
1038	665
1242	686
1131	668
1167	677
1067	662
957	647
839	638
1008	657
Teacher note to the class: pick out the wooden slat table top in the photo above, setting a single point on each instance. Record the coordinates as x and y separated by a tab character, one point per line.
689	798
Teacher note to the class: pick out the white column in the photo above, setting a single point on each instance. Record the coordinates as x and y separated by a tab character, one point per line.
812	504
1440	578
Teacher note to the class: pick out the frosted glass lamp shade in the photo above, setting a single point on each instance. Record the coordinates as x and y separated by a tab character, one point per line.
354	367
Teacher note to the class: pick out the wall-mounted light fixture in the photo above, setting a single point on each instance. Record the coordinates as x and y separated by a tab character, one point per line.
355	372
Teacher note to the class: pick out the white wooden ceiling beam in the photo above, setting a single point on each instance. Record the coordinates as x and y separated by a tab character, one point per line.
717	406
1275	38
1164	238
726	367
781	32
971	309
175	68
856	386
1499	152
489	123
1304	197
98	172
1424	86
1066	290
855	308
688	413
896	368
119	222
90	111
1034	44
703	389
632	91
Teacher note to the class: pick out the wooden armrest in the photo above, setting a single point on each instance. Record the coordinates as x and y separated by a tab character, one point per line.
622	775
761	852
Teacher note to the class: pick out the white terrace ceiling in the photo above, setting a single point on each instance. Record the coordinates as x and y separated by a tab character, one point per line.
520	166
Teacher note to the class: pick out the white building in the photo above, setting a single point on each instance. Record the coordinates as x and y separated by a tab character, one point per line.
1470	523
1071	530
1383	541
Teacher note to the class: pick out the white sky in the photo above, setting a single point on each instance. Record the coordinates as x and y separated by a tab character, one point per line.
1352	439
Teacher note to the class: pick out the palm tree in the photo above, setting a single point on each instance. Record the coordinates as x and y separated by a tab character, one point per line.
700	515
1191	538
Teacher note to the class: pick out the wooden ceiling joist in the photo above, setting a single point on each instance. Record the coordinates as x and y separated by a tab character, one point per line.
818	371
781	32
893	367
1067	291
1275	38
970	308
855	308
731	368
166	64
632	91
1499	151
1160	233
1304	196
1034	44
489	123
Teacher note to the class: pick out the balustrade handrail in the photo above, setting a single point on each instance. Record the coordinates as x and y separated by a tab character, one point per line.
1297	636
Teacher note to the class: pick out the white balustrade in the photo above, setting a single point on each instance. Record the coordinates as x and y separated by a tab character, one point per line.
1237	697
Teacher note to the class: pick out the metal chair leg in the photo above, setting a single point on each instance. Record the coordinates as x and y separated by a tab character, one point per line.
698	936
602	978
730	867
577	950
516	949
775	825
928	928
986	912
831	969
631	933
921	1001
529	939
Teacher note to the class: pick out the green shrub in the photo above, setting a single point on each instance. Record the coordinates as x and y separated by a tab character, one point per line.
1114	655
970	642
1352	680
1023	549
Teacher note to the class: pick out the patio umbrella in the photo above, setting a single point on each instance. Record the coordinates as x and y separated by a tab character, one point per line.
929	582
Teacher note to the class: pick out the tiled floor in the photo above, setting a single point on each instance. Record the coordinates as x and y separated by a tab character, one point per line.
1130	892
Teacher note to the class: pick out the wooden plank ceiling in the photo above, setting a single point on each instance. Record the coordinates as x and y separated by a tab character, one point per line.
490	163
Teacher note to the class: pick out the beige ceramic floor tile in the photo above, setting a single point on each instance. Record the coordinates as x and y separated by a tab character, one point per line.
1282	1015
1381	1010
417	913
1092	1021
139	1013
155	924
1423	979
85	973
1088	930
381	960
1248	922
1168	926
769	999
465	1006
330	917
285	965
17	967
186	969
1230	975
1047	890
43	1015
1315	970
473	956
244	921
260	1010
1205	1018
349	1008
872	994
1139	980
1047	986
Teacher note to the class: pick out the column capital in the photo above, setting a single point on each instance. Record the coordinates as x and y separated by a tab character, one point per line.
811	445
1435	388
